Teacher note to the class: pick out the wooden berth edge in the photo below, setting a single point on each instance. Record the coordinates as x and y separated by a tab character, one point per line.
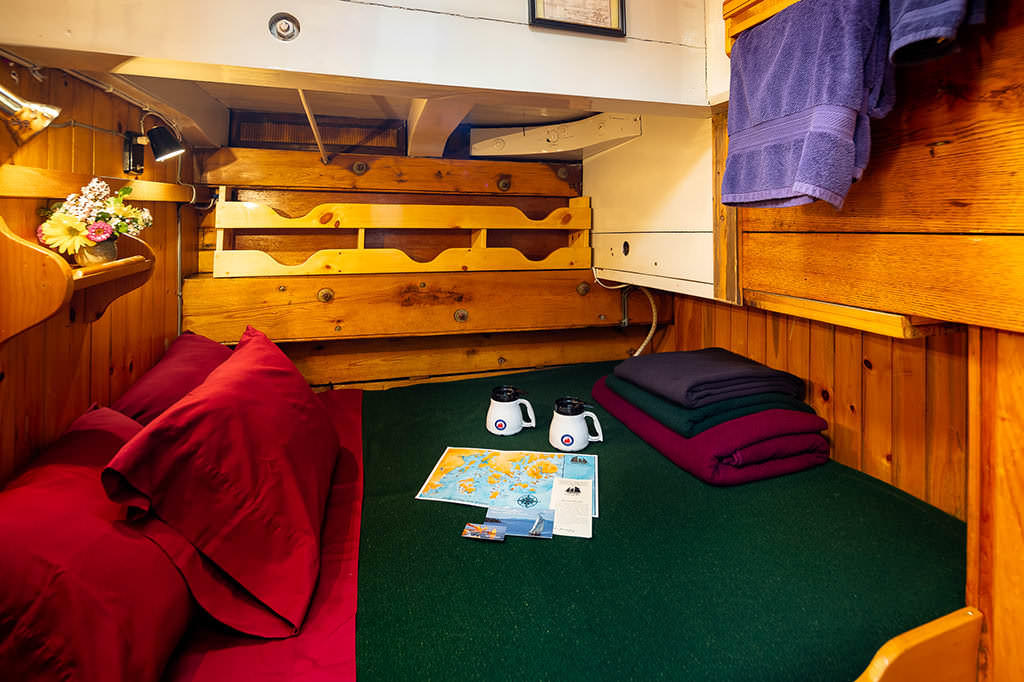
942	650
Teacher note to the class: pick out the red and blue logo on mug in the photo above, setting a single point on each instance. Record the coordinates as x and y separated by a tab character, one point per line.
500	424
567	440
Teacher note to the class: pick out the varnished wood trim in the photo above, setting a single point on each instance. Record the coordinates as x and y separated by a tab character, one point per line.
279	169
971	279
874	321
35	283
726	237
43	183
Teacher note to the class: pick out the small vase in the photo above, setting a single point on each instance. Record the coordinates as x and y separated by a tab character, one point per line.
103	252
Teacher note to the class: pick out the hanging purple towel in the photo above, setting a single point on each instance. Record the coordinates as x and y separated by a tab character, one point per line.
750	448
926	29
803	85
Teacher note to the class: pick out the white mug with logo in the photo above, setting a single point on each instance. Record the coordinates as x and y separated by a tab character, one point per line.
505	415
569	431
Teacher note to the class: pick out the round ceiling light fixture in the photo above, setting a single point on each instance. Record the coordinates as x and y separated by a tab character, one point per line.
284	26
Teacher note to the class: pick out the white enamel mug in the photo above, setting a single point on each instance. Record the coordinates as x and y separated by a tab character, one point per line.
505	415
568	431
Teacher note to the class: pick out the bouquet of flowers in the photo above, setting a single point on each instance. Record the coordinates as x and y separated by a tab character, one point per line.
94	216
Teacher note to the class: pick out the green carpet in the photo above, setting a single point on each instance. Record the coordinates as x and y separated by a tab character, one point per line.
796	578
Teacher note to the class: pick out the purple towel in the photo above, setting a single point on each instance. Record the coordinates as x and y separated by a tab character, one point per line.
750	448
697	378
925	29
803	86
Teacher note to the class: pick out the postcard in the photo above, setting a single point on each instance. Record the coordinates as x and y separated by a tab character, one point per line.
484	531
523	523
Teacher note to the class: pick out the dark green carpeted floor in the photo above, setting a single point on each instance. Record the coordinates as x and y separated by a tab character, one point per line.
796	578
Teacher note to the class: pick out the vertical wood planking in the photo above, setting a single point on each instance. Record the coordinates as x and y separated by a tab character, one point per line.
821	373
723	325
798	352
775	341
909	394
738	330
849	379
997	578
876	425
946	421
756	343
689	328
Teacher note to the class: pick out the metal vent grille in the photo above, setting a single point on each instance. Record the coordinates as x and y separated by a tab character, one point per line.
289	131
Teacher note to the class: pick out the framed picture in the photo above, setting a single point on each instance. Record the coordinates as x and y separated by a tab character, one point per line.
605	17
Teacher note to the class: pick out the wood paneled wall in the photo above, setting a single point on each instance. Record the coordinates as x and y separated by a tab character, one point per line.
51	373
896	408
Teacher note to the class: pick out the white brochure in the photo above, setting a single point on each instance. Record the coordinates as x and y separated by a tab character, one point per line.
573	502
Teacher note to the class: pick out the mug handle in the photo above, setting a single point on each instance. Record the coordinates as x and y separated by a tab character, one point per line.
529	411
597	427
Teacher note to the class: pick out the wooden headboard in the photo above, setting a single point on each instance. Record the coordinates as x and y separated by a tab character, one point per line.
742	14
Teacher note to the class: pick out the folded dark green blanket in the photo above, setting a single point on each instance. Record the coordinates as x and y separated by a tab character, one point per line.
691	421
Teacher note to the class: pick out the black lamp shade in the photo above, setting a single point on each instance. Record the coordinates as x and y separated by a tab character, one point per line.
165	145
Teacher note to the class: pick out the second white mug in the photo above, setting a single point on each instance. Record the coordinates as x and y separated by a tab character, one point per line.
568	431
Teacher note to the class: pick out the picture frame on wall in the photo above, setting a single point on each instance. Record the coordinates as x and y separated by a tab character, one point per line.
602	17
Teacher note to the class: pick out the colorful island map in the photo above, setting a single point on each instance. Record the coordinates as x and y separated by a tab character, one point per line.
504	478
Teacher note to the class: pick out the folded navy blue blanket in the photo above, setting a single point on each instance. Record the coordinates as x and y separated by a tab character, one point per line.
701	377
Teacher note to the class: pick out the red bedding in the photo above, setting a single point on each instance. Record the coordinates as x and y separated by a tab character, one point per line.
325	647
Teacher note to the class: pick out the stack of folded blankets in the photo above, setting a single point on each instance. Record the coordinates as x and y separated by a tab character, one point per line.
724	418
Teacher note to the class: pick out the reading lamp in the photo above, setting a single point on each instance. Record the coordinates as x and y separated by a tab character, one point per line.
23	118
166	145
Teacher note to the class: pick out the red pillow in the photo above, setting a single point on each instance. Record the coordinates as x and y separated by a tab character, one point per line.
231	481
82	596
187	362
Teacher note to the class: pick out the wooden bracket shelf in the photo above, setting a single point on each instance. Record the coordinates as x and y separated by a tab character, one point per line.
37	283
873	321
231	217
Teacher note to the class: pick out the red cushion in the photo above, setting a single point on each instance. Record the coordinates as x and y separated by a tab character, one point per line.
186	364
239	470
74	580
325	651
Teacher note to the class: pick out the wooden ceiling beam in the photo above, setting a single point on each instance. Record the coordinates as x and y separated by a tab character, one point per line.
432	121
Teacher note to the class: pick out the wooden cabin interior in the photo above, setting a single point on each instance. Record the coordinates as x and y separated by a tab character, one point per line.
435	191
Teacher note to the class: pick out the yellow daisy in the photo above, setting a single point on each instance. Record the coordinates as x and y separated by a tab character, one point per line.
66	233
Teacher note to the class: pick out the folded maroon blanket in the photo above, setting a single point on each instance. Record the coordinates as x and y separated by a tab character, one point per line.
750	448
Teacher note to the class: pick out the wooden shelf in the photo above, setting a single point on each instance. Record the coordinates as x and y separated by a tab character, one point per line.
863	319
38	283
94	275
